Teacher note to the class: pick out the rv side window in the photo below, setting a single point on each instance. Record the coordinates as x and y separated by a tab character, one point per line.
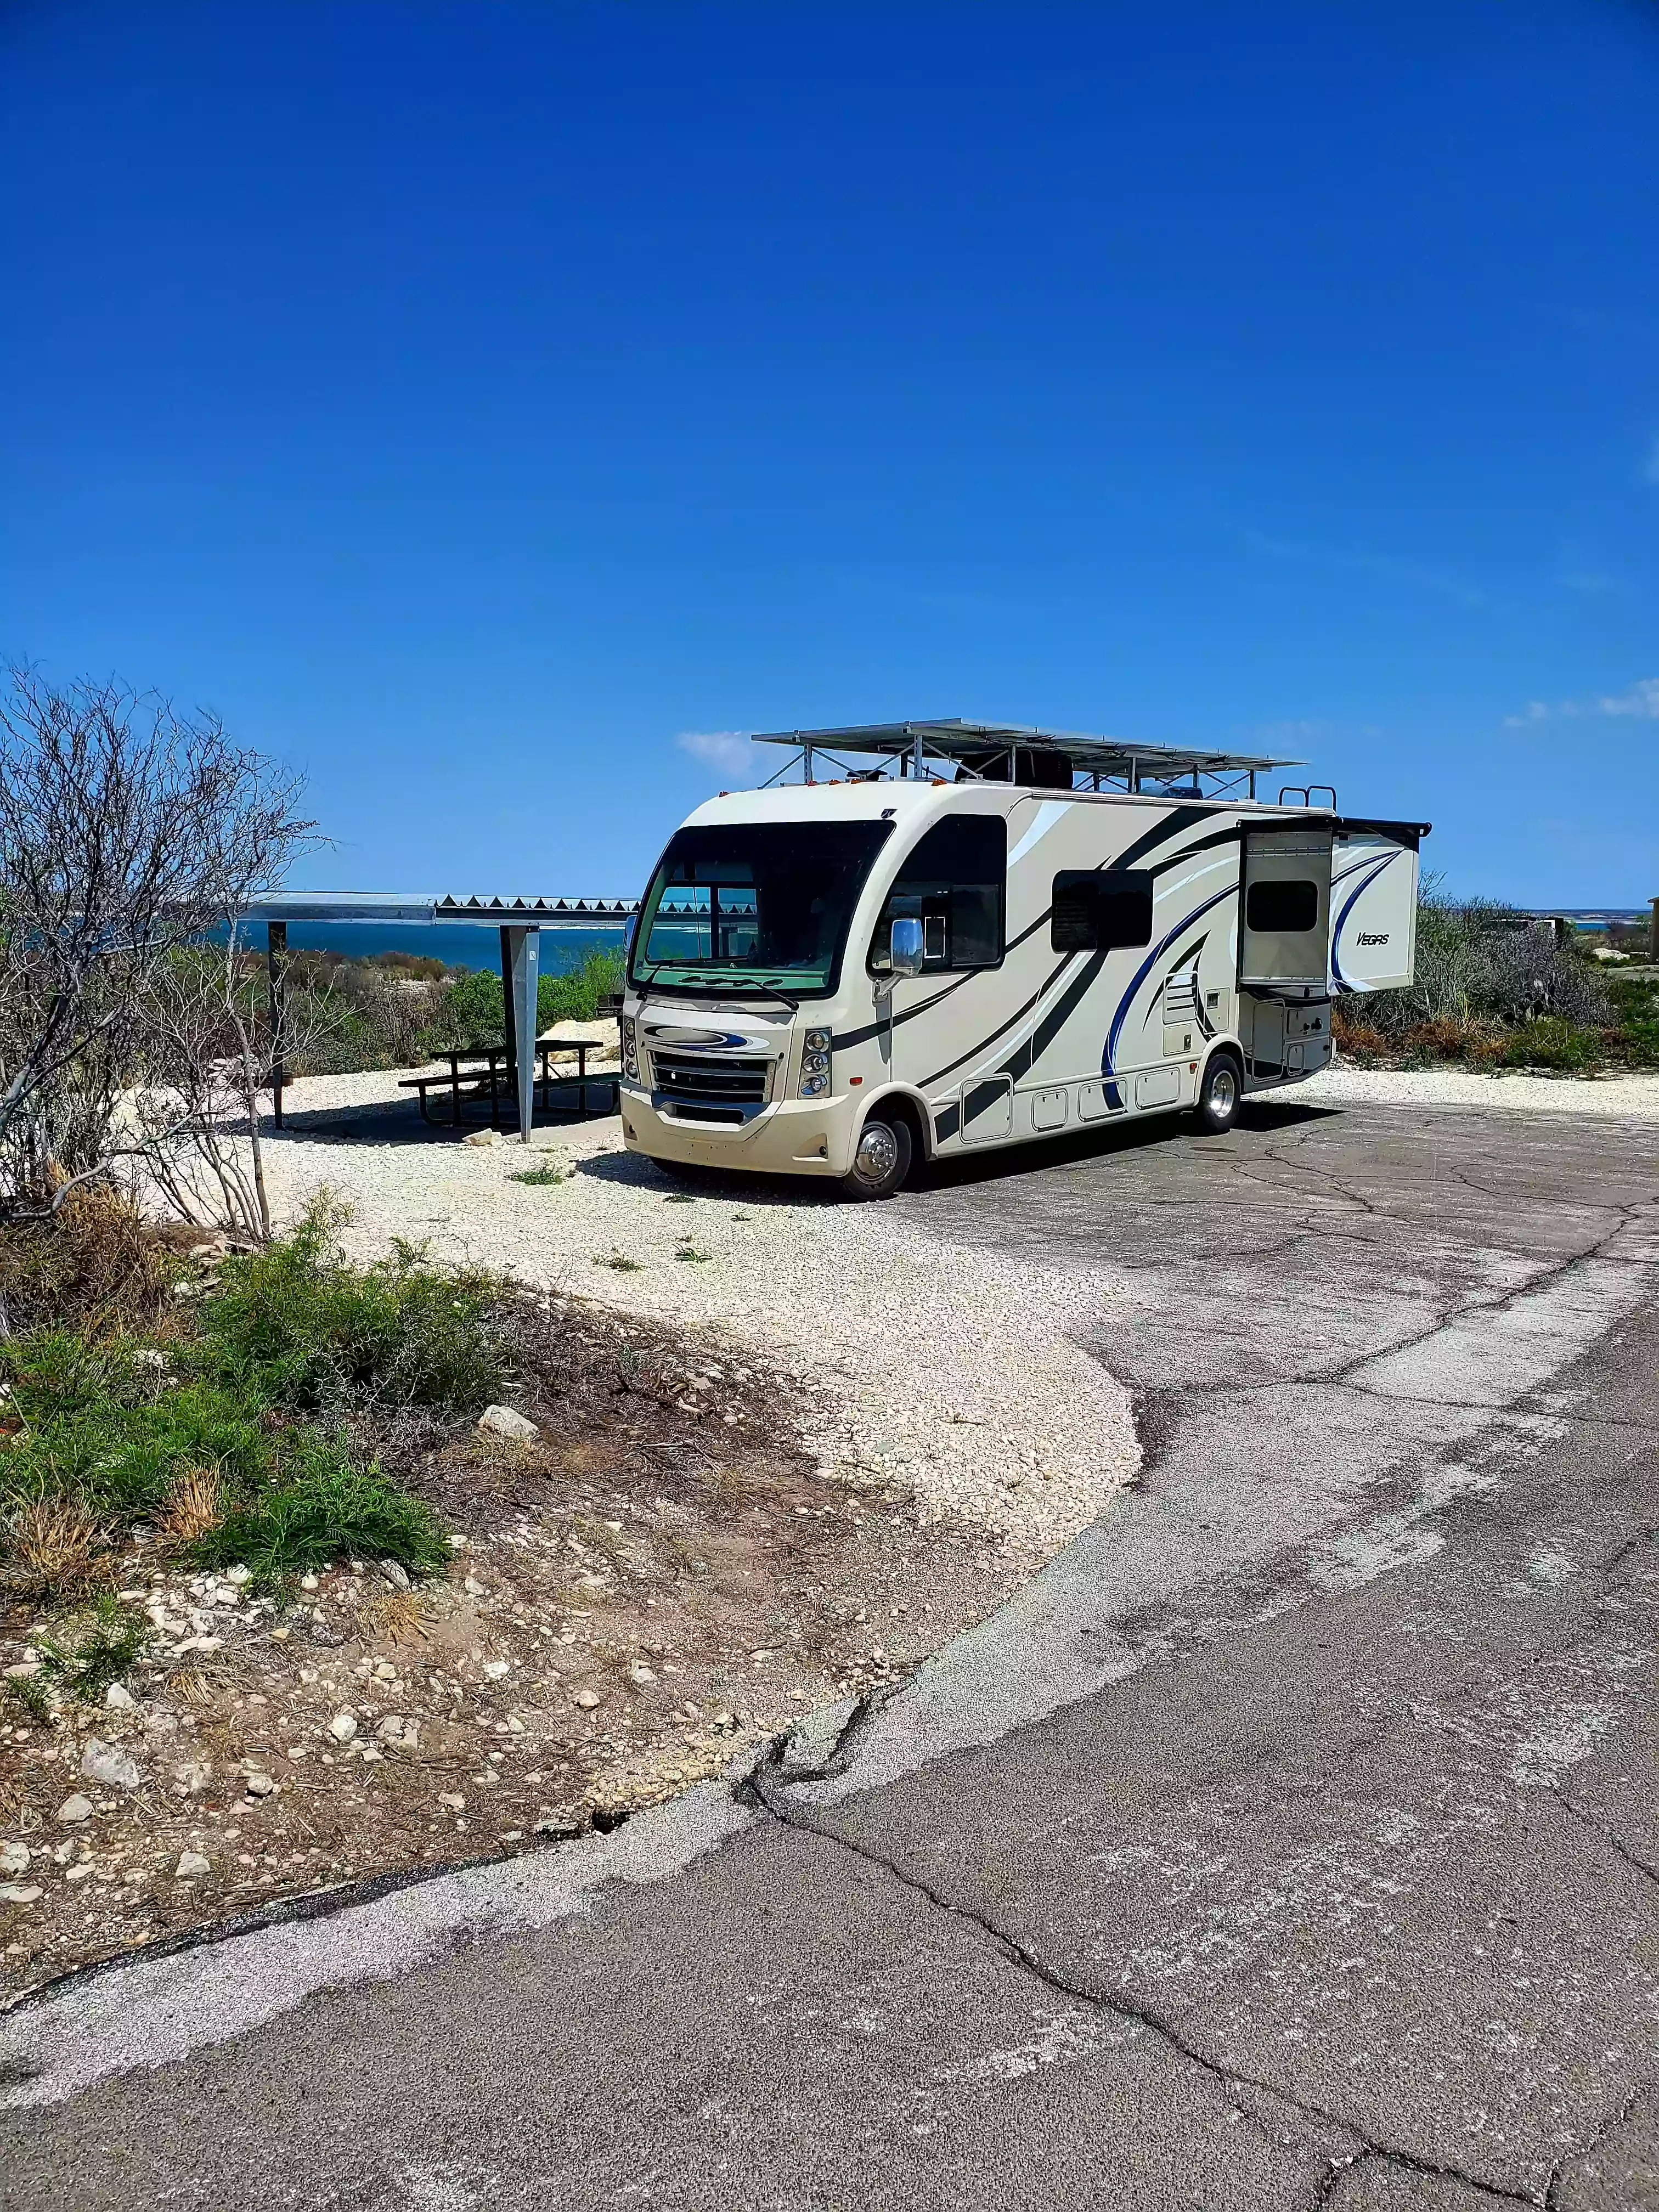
1095	910
952	884
1282	910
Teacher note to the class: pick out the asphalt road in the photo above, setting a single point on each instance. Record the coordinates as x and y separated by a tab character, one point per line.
1293	1841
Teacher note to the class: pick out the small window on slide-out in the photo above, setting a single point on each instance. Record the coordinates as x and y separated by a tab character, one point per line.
1281	909
1096	911
952	884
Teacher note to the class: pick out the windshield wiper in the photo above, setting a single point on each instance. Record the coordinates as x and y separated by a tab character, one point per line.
784	998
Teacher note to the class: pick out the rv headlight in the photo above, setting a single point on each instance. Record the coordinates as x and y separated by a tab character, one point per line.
816	1062
818	1040
814	1086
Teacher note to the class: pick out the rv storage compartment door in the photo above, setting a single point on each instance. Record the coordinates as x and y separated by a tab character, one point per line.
1373	913
1285	924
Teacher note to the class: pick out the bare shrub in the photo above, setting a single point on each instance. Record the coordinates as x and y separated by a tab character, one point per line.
1480	966
127	831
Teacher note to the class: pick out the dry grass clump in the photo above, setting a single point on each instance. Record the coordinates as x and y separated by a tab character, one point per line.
55	1545
96	1264
194	1505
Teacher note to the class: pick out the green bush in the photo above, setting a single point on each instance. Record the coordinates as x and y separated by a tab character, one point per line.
473	1011
1566	1048
305	1330
262	1409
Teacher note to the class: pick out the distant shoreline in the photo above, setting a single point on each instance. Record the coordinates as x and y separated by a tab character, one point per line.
457	944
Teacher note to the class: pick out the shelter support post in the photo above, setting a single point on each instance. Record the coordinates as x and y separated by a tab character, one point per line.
521	963
276	961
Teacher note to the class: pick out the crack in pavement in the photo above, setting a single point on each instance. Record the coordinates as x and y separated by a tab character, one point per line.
760	1792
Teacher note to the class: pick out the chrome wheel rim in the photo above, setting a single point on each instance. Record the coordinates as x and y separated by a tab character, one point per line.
877	1152
1224	1092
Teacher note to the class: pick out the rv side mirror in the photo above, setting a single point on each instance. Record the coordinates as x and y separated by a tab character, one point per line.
904	946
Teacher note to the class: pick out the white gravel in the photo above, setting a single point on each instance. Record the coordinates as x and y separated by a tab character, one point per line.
940	1366
1619	1097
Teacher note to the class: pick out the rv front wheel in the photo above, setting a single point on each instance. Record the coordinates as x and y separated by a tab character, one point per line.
882	1160
1218	1094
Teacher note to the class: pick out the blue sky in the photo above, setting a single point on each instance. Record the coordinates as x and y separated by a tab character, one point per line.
469	402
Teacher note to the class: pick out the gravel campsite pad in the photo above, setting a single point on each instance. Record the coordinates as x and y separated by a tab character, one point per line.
772	1462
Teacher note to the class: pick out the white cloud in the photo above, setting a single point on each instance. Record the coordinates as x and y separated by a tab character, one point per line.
727	750
1638	702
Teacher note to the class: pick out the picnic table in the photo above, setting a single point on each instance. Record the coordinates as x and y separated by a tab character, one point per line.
476	1074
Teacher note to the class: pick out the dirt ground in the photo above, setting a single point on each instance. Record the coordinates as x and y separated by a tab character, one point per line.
659	1578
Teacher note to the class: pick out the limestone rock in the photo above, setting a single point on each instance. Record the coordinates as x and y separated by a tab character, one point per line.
191	1867
108	1763
74	1808
343	1727
503	1421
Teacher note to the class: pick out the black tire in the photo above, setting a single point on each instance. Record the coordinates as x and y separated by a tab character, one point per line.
882	1160
1219	1092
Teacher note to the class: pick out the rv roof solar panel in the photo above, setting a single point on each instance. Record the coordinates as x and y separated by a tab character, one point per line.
956	740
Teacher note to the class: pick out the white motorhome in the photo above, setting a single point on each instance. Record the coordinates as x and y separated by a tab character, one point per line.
994	935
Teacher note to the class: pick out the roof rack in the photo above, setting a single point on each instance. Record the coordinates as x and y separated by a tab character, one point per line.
1010	752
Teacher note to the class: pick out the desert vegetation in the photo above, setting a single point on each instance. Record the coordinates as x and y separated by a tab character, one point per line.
1495	988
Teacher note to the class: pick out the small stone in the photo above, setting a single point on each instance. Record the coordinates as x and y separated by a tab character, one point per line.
118	1697
494	1669
257	1784
343	1727
392	1728
639	1672
19	1892
587	1699
395	1572
108	1763
308	1582
84	1872
74	1808
456	1804
503	1421
191	1867
194	1775
481	1139
14	1858
385	1671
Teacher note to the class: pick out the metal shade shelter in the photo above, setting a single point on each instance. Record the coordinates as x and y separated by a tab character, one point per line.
1011	752
521	922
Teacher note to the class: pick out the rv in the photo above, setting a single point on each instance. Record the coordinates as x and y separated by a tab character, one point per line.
993	935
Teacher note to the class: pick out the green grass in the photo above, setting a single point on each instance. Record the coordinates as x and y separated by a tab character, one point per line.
94	1649
542	1178
271	1402
685	1252
330	1508
620	1262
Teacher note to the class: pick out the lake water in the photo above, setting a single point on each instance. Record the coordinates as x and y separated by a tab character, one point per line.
458	943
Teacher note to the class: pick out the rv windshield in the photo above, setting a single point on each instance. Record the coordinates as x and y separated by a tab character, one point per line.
753	906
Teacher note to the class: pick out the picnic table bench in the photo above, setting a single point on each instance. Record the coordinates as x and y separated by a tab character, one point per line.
479	1074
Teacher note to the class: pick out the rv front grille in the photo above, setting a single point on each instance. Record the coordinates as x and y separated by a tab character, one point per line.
702	1088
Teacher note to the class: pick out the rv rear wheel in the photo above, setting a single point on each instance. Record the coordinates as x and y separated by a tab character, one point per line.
1219	1092
882	1160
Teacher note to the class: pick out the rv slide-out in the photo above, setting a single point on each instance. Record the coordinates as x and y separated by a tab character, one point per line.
1373	909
